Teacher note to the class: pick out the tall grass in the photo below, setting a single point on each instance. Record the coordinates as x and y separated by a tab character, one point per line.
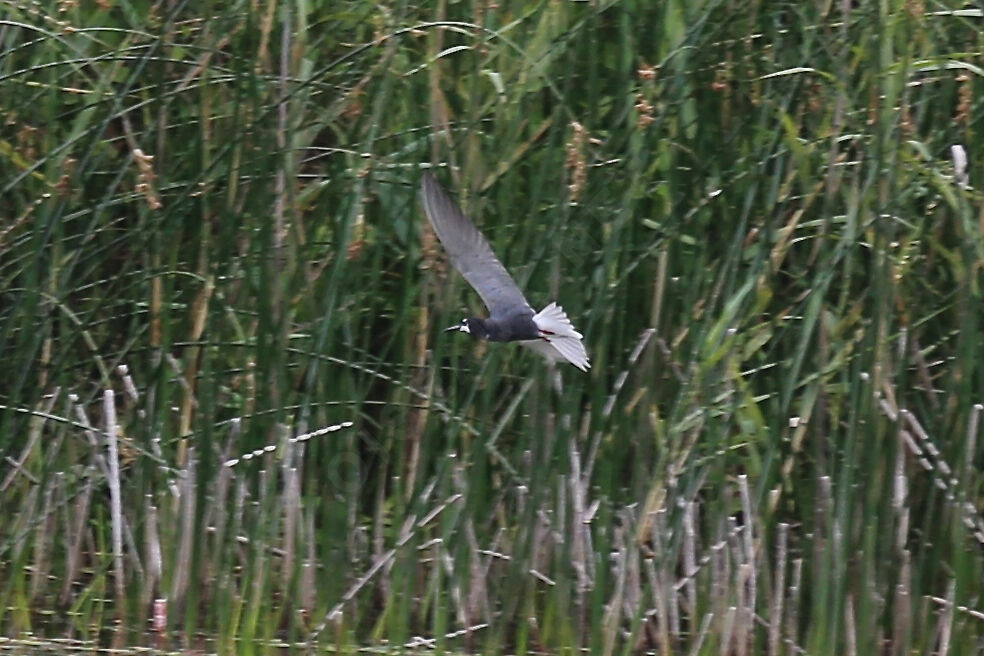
229	418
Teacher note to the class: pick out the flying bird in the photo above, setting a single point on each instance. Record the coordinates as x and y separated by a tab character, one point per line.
511	319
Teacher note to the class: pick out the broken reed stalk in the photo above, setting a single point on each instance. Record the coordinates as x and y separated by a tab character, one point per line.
779	590
115	494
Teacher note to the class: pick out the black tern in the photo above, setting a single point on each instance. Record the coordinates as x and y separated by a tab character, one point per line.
511	319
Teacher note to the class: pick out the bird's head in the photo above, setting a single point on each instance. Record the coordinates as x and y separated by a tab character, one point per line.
473	326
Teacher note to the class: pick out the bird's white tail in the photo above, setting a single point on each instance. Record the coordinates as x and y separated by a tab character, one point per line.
557	331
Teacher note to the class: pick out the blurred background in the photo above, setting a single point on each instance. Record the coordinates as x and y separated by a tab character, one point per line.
229	419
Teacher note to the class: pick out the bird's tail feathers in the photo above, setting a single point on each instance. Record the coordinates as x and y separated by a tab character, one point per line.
560	340
560	349
573	351
553	321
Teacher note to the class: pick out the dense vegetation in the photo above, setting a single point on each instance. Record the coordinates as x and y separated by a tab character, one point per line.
228	416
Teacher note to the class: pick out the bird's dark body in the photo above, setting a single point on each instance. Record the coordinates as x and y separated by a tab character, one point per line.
514	328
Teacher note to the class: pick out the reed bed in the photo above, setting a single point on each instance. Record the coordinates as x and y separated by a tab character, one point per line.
229	421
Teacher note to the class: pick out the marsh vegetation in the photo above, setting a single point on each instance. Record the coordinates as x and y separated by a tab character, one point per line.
229	419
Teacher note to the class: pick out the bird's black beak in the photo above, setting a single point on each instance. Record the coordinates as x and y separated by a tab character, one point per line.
461	327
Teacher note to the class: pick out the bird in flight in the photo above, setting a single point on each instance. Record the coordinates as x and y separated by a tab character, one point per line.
511	319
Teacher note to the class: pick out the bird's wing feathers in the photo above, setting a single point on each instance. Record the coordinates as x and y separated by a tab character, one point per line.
470	251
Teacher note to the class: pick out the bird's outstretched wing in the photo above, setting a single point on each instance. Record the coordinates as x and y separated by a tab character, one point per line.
470	252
